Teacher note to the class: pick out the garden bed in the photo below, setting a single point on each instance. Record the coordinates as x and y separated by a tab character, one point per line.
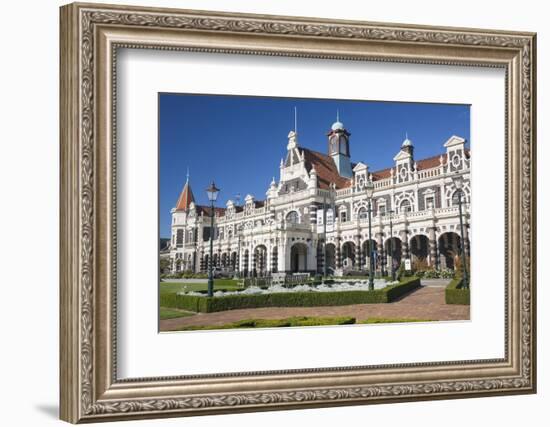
203	304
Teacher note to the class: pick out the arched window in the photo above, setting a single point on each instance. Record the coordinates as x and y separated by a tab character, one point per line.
362	214
405	206
292	217
455	198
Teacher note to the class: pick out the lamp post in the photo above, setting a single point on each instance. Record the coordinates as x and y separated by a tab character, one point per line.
459	183
331	195
369	188
391	247
238	259
212	192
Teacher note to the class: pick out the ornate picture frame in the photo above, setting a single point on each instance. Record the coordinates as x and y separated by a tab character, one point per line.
90	37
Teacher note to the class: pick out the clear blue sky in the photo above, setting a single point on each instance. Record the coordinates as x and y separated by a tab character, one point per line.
238	141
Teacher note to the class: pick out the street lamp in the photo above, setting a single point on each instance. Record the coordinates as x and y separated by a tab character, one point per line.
238	258
459	183
212	192
369	189
331	194
391	247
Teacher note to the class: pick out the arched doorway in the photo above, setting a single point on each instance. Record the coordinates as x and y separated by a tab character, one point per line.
298	258
392	247
348	255
420	248
449	248
260	260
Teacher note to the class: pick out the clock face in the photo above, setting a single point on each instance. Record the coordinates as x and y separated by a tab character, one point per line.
403	173
455	160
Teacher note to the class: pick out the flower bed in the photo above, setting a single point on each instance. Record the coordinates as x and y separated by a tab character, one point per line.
236	300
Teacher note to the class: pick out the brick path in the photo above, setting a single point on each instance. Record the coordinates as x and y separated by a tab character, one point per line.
423	303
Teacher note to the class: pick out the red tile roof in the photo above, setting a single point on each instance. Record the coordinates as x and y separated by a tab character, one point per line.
185	199
206	210
428	163
325	167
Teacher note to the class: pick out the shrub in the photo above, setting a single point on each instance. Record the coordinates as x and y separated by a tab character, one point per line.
436	274
456	294
459	267
291	299
402	272
420	265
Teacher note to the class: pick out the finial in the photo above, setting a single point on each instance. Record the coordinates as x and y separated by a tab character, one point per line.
406	135
337	115
295	120
187	174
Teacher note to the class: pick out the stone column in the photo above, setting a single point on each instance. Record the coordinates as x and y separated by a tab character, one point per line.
381	256
320	257
358	261
274	260
338	252
202	261
253	269
404	235
433	247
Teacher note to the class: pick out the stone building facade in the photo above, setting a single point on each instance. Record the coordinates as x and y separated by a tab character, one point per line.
321	199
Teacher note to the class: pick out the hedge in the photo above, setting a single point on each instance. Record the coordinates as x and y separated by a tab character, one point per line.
456	294
204	304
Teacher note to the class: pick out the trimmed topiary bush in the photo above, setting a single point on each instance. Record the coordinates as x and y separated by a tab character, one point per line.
204	304
456	294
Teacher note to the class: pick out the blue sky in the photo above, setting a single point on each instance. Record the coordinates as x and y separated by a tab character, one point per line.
238	141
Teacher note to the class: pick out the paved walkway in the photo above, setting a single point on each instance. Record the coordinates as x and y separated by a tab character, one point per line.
427	302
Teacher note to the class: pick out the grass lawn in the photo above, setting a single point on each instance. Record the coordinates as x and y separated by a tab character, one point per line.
296	321
371	320
219	285
275	323
173	313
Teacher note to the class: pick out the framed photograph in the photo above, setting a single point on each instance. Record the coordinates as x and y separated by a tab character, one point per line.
267	212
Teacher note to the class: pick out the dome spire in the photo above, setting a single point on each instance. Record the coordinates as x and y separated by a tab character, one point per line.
406	142
337	125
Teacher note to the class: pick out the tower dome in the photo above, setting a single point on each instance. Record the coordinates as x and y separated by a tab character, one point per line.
337	125
407	142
